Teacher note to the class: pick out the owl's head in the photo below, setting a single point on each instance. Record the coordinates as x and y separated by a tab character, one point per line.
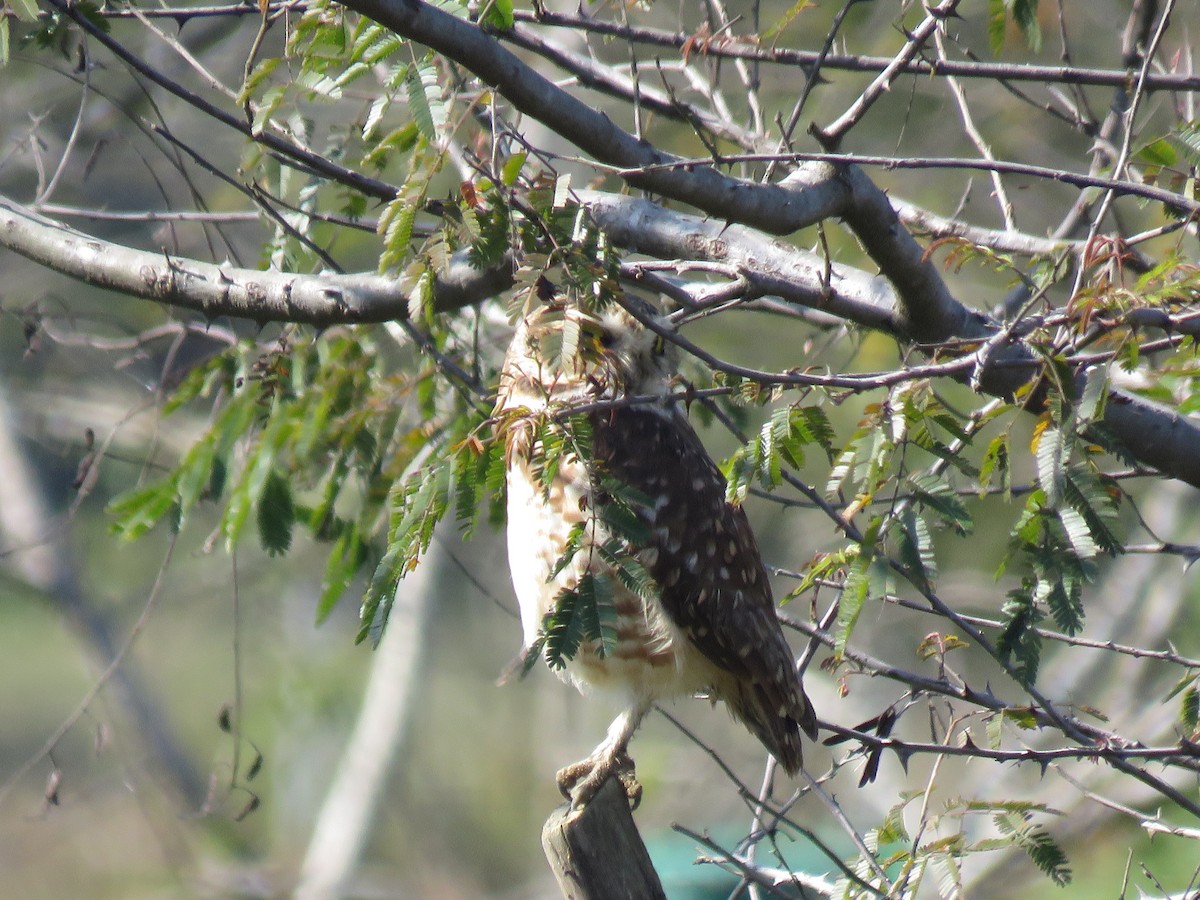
601	354
629	356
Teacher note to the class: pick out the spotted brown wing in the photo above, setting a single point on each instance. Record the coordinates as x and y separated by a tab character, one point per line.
706	563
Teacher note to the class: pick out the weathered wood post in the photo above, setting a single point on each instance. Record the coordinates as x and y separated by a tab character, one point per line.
596	852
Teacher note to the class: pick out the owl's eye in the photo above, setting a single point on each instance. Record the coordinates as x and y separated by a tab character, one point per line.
660	345
606	338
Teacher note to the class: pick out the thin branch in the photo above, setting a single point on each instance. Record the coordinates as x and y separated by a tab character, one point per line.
90	696
855	62
831	136
771	207
287	150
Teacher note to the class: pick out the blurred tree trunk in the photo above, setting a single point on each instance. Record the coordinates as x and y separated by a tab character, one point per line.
40	555
343	825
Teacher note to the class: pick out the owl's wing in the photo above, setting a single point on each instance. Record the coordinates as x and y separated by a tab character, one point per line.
706	563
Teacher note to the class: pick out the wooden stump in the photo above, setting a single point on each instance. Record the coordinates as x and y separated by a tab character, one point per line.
596	853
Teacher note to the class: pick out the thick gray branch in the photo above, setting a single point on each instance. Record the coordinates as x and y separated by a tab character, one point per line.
916	306
771	207
772	266
912	304
224	290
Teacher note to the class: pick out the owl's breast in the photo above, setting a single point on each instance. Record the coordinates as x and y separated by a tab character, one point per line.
651	657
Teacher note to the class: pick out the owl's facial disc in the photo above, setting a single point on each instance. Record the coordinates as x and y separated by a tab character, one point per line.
630	354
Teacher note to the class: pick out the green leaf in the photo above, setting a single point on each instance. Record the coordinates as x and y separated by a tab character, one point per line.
398	141
562	190
1095	392
1036	841
813	424
135	513
425	99
619	510
276	515
397	236
1019	641
585	613
1024	13
512	168
470	482
794	10
195	472
381	49
938	495
916	547
996	460
1189	137
1052	453
380	595
267	107
497	487
498	14
1189	710
1087	495
1021	716
947	875
893	830
995	731
855	591
823	566
259	465
319	84
1078	534
575	538
1158	153
26	10
628	569
1188	679
997	25
1065	599
203	470
261	73
345	559
203	380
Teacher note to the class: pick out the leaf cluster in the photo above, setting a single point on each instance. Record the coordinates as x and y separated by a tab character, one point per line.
896	469
601	552
1068	520
912	859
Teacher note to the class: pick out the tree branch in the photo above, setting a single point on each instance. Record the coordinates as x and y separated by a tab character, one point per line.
771	207
856	62
223	290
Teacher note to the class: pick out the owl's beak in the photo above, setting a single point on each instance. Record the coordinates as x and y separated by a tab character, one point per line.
591	328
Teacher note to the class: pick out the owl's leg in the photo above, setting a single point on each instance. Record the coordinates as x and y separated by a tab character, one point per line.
581	781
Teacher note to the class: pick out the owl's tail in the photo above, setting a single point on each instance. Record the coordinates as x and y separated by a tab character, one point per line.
776	714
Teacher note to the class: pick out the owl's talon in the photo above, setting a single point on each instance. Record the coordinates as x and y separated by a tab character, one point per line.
581	781
569	776
633	787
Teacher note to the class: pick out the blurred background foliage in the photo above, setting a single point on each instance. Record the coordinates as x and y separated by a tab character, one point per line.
472	780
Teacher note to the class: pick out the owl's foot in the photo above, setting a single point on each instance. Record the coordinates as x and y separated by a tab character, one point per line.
581	781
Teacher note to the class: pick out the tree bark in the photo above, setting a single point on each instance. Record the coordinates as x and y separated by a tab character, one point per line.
596	852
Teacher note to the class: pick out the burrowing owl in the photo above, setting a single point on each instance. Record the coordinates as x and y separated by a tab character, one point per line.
709	626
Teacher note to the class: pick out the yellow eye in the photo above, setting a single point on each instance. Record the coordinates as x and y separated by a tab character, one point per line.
660	345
